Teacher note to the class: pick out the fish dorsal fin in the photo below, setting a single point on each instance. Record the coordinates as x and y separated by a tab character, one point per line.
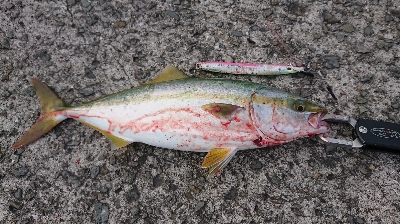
168	74
217	158
220	110
116	141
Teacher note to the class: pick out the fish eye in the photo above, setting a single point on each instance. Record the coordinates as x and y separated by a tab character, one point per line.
289	68
300	108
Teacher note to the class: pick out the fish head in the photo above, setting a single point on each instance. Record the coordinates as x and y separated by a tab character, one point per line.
283	118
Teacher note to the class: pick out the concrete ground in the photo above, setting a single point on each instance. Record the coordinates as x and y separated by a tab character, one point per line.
87	49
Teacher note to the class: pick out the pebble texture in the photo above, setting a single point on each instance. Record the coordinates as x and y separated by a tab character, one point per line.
87	49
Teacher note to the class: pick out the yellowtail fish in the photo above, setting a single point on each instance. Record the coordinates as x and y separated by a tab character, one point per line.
218	116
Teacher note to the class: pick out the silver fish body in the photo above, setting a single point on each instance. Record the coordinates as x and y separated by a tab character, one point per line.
219	116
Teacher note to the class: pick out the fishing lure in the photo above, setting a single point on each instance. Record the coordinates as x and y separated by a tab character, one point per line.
249	68
218	116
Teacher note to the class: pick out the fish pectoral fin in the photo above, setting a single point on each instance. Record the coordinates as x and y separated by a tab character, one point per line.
117	142
168	74
220	110
217	158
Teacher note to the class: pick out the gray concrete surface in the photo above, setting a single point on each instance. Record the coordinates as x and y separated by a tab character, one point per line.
86	49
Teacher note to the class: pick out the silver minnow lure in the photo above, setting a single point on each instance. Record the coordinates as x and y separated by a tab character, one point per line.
249	68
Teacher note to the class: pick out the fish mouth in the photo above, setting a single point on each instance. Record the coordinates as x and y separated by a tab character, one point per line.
315	120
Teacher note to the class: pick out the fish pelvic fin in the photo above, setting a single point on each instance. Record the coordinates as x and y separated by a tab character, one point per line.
51	114
217	158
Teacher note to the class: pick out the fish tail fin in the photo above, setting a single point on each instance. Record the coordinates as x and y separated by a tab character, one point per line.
50	115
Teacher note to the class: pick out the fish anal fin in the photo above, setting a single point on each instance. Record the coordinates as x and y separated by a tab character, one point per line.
220	110
217	158
117	141
168	74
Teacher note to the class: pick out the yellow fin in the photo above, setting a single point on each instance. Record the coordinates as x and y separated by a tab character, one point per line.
43	125
168	74
118	142
50	103
220	110
217	158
